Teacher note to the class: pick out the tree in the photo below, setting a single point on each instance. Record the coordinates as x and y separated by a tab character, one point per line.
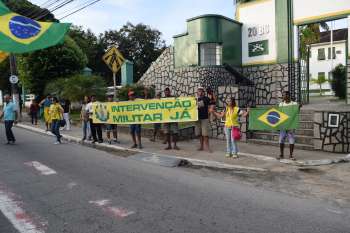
339	81
39	68
321	79
26	8
310	34
76	87
138	43
92	47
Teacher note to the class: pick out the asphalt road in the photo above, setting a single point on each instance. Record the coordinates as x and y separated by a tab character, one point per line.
84	190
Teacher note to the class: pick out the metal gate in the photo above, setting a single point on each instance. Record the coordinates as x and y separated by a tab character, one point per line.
303	82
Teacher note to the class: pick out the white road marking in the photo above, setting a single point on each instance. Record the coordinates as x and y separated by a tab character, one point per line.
44	170
100	203
116	212
71	185
16	215
119	212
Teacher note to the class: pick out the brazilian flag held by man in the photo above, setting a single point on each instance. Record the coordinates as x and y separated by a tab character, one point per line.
19	34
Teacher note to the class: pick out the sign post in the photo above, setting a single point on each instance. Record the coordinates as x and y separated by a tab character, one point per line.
114	60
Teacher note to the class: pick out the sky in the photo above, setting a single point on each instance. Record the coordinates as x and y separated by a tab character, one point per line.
168	16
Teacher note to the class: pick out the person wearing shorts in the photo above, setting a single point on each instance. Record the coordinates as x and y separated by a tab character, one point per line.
156	126
171	129
202	125
284	134
135	129
111	128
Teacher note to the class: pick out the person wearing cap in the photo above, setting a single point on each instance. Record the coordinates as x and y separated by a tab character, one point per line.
171	130
135	129
111	128
202	125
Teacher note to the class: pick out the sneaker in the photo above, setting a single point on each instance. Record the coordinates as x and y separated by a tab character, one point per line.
140	147
235	156
57	143
134	146
228	155
116	141
110	142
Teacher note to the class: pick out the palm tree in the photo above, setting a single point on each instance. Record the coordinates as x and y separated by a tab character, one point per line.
321	79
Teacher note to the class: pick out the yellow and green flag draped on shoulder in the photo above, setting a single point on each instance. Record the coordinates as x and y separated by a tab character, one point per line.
3	56
19	34
275	118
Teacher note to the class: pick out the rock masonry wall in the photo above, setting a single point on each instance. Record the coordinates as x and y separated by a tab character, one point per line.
332	139
270	82
184	81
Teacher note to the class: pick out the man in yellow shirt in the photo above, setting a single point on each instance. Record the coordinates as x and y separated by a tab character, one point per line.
56	115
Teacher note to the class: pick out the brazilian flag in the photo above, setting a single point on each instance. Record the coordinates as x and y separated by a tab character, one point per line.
276	118
19	34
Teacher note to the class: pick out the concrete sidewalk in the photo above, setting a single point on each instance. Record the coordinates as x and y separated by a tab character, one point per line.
252	155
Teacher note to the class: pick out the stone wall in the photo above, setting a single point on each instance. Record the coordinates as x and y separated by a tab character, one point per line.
348	82
332	139
184	81
270	82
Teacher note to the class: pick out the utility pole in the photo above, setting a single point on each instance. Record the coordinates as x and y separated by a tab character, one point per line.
14	86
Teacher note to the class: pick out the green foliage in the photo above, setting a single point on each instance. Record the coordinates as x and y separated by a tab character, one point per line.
41	67
30	10
339	81
78	86
310	34
4	76
138	43
139	90
321	79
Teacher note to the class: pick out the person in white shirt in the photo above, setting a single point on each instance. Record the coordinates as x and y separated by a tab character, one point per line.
284	134
96	129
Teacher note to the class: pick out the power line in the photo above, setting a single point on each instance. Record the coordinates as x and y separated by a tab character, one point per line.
82	8
56	5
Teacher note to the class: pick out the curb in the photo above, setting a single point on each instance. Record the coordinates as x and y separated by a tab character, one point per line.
192	162
196	162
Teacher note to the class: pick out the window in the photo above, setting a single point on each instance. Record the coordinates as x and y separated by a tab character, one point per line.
321	54
321	75
329	53
210	54
330	75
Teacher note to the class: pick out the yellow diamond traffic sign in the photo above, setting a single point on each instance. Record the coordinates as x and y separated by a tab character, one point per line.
114	59
273	118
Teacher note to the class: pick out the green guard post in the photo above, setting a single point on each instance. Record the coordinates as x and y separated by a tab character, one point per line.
127	73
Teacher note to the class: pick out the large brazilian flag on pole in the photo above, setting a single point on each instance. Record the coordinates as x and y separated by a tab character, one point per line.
19	34
276	118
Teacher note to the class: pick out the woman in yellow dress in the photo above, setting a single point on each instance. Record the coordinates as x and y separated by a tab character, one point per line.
231	114
56	115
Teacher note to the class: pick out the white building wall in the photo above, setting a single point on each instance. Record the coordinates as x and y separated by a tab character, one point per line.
325	66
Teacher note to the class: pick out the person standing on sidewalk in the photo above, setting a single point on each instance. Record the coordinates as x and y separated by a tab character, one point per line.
110	128
45	104
171	130
284	134
10	116
157	126
135	129
84	117
231	114
56	114
33	112
66	115
96	129
202	125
